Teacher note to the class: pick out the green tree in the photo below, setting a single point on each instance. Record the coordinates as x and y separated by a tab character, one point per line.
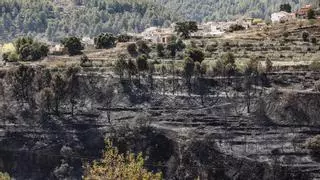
184	29
73	45
160	50
196	55
311	14
115	165
132	49
105	40
285	7
143	47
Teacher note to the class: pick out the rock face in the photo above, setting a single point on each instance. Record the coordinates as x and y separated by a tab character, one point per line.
180	137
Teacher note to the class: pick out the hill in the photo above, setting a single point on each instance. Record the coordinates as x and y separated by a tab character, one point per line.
55	19
203	10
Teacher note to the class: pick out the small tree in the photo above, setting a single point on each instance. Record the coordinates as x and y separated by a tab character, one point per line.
305	36
73	45
85	61
115	165
124	38
160	50
188	71
285	7
105	40
132	49
195	54
120	66
143	48
184	29
311	14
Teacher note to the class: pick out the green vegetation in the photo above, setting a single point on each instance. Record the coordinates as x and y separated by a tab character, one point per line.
4	176
85	18
105	40
311	14
285	7
184	29
26	49
73	45
114	165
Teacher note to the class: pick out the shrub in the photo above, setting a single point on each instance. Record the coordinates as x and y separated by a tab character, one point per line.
73	45
143	48
85	61
29	50
142	63
195	54
13	57
105	40
236	27
124	38
311	14
286	34
305	36
114	165
132	49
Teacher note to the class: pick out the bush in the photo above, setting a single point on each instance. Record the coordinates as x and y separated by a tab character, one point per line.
286	34
30	50
105	40
311	14
85	61
142	63
132	49
73	45
305	36
143	48
13	57
124	38
195	54
114	165
236	27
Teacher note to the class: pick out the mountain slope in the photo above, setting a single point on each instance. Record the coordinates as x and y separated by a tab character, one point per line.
58	18
202	10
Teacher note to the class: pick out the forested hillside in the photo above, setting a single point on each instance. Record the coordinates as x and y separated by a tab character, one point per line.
56	18
203	10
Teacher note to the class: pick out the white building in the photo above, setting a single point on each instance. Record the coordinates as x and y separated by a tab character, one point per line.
282	16
158	35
